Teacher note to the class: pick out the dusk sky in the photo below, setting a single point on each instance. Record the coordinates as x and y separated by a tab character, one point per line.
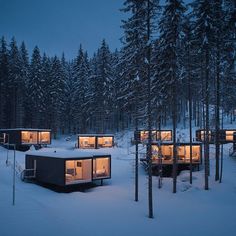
62	25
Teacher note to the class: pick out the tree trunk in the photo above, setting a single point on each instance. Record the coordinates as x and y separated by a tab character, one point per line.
217	115
149	116
207	119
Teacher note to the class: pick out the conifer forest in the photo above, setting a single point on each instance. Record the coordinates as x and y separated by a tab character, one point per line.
185	51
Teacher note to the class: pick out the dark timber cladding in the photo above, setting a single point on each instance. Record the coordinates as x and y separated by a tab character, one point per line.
66	168
94	141
142	135
225	135
27	136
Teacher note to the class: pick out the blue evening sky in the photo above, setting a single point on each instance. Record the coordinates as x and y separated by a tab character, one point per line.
61	25
57	26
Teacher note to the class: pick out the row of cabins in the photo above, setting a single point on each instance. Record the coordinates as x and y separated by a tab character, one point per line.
80	168
61	169
162	153
225	135
24	138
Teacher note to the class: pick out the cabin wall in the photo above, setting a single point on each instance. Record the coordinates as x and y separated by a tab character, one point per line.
48	170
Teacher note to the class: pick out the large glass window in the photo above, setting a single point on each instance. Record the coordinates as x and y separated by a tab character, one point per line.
203	133
101	168
44	137
86	142
166	152
166	135
229	135
184	153
144	135
104	142
78	171
29	137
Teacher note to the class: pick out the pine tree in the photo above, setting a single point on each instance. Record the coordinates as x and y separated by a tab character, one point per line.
66	96
35	88
69	98
46	73
171	30
101	88
133	58
16	86
81	85
56	87
24	75
4	78
204	33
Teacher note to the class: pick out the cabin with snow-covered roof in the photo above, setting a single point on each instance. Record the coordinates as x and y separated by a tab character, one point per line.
163	135
23	138
95	141
66	168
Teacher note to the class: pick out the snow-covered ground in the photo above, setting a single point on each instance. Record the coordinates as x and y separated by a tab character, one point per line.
111	210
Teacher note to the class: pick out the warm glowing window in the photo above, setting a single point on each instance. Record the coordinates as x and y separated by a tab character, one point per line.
184	153
181	152
155	152
29	137
101	168
78	171
229	135
44	137
166	135
87	142
203	133
105	141
144	135
166	151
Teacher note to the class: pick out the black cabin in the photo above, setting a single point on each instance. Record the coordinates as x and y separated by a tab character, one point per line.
163	135
225	135
23	138
95	141
66	168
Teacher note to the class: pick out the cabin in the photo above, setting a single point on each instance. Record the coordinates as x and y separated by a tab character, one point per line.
200	133
66	168
95	141
183	153
225	135
163	135
23	138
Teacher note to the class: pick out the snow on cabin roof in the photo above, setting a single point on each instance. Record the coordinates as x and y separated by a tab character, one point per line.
64	154
98	135
155	130
25	129
177	143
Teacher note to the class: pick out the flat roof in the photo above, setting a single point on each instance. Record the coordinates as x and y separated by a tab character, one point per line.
225	129
155	130
64	154
25	129
98	135
177	144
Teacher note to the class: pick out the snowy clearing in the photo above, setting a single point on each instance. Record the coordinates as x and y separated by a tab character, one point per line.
111	210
